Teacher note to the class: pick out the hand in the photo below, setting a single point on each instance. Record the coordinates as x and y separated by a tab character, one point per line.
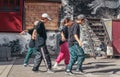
63	39
33	37
23	32
80	44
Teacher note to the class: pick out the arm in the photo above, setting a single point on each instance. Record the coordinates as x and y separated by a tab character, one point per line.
63	37
34	34
23	32
77	39
75	32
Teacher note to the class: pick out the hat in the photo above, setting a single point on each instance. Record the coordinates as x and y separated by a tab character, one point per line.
45	15
36	22
81	16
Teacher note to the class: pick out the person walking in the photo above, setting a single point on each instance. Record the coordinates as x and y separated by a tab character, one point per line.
31	48
40	36
75	46
64	50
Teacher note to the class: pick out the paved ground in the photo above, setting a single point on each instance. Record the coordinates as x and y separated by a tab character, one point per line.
94	68
5	67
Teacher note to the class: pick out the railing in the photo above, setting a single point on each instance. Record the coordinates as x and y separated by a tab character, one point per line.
107	37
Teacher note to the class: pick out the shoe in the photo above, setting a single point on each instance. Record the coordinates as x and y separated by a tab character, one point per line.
25	65
69	73
35	69
80	71
50	71
76	62
57	67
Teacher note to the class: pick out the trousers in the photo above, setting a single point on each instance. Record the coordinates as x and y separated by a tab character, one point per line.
29	53
76	54
42	54
63	54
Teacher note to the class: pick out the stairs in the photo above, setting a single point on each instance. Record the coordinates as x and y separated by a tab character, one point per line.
99	34
92	35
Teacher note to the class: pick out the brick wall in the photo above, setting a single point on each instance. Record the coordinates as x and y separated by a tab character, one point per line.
34	10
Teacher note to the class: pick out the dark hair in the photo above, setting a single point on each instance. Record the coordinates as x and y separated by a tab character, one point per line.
42	18
66	20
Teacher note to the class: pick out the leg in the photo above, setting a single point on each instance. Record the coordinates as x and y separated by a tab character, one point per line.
61	54
73	58
58	60
80	62
35	50
37	60
46	58
81	57
29	53
67	53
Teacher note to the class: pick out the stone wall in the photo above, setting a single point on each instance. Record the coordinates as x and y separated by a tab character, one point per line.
92	8
20	43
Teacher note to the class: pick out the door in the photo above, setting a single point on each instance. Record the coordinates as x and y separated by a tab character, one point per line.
116	36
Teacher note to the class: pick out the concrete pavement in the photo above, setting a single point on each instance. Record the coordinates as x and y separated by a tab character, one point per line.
5	67
94	67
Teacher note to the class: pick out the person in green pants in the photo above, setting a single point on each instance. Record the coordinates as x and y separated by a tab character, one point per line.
75	45
31	48
28	55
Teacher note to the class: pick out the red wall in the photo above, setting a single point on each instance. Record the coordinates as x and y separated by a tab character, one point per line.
11	21
116	36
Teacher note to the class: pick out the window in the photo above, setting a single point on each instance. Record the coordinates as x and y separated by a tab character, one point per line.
9	5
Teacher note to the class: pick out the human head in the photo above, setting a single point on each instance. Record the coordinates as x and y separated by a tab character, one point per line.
80	19
67	21
45	17
36	23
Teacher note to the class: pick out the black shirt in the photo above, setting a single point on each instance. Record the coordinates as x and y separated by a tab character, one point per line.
30	31
72	30
40	28
65	33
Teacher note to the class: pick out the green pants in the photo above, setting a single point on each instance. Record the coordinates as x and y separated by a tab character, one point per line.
76	54
29	53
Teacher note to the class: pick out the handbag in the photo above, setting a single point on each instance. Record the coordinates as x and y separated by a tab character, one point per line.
39	41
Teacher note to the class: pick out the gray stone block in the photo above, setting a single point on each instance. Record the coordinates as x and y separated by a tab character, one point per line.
5	53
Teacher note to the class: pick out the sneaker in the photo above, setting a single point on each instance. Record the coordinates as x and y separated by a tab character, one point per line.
35	69
80	71
25	65
57	67
50	71
69	73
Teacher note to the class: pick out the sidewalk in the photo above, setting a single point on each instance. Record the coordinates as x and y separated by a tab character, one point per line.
94	68
5	67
